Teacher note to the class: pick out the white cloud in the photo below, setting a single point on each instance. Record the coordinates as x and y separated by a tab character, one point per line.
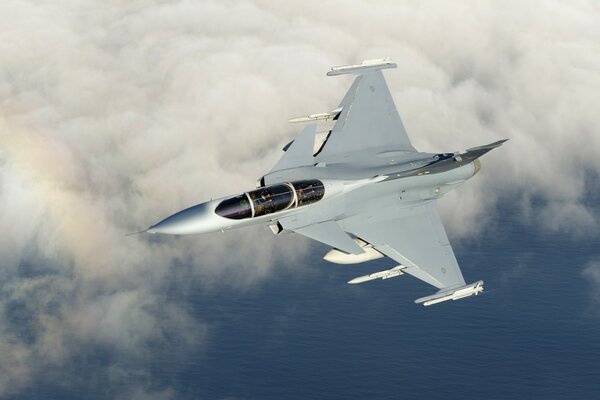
116	114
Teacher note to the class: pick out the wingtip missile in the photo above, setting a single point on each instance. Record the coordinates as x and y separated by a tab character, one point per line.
380	63
456	293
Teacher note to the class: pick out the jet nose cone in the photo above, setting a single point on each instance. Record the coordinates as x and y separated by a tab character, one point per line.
184	222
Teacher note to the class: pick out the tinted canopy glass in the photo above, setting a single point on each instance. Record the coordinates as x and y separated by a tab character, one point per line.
271	199
237	207
309	191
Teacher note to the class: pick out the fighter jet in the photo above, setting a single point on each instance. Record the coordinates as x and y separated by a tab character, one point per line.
357	185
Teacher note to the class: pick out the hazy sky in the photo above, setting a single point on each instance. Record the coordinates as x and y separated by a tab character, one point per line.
115	114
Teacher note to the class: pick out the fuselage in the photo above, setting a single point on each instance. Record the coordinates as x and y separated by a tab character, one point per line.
328	193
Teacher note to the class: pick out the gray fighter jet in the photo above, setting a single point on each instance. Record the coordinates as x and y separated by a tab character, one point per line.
358	186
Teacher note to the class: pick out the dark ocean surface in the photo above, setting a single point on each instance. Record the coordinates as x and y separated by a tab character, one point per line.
534	333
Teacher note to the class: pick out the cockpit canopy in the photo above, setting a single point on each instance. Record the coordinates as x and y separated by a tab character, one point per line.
271	199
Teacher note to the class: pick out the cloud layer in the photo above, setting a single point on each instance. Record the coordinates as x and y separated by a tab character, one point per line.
115	114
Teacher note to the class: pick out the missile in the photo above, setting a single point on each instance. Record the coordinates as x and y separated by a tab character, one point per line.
318	117
388	273
365	65
456	293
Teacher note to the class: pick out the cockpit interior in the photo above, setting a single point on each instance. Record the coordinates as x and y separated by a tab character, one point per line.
271	199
